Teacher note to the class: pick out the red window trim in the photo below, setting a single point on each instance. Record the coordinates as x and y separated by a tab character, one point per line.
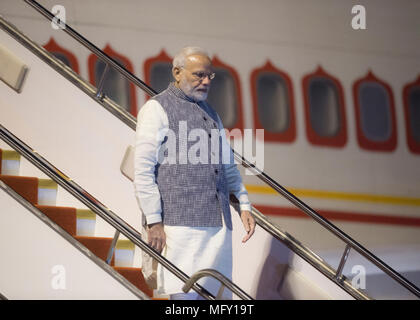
92	59
340	139
388	145
413	145
216	62
148	64
290	134
52	46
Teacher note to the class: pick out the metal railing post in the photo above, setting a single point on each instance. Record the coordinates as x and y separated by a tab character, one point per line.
342	263
112	247
99	91
225	282
220	292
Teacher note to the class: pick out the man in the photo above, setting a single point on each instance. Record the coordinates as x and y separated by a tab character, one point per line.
186	204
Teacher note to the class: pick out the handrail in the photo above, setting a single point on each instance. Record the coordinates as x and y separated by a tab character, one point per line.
98	261
114	220
332	228
306	254
217	275
91	47
261	175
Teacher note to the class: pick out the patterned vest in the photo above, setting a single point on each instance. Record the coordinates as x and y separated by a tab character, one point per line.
192	194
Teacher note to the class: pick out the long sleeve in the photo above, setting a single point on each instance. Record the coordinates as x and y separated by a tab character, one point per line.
152	125
233	176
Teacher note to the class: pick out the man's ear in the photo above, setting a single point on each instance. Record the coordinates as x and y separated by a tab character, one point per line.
176	73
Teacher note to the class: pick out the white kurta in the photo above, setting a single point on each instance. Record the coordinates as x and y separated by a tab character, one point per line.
190	249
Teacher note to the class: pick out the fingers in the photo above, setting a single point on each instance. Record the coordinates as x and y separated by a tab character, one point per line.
157	243
157	239
249	224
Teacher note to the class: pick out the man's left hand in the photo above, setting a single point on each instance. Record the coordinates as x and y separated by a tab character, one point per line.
249	224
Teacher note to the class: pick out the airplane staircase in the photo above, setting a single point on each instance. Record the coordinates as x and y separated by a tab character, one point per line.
300	268
72	220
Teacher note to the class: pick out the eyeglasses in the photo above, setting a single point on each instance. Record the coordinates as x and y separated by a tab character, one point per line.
200	76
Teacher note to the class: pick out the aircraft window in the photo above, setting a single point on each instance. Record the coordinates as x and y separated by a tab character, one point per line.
273	103
324	109
65	56
158	72
160	75
374	111
116	86
375	114
224	95
411	96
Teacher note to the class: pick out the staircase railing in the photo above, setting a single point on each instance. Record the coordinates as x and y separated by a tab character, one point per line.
110	217
127	118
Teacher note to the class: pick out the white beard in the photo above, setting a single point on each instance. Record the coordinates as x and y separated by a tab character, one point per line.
195	95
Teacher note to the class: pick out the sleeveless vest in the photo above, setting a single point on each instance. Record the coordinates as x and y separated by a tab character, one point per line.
192	194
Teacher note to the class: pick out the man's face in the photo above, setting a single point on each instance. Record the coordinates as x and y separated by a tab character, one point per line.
194	77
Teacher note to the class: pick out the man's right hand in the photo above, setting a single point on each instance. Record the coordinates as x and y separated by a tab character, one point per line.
156	236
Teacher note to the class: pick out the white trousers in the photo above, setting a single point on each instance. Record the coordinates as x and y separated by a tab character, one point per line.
192	249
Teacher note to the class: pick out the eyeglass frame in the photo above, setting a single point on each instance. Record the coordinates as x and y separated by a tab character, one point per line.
211	75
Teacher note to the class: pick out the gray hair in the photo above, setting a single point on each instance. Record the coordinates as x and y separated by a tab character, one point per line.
181	56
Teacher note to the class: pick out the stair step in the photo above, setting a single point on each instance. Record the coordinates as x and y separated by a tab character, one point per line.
47	192
125	244
86	220
27	187
42	193
135	276
9	162
65	217
124	253
98	245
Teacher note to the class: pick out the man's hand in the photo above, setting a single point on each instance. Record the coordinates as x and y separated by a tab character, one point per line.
156	236
249	224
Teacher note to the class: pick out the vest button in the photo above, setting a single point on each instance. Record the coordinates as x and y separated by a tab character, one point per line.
216	171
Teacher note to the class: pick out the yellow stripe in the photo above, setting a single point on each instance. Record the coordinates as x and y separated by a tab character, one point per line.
47	184
10	155
360	197
125	244
85	214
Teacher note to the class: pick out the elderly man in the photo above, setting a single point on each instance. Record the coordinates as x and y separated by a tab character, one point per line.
186	204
